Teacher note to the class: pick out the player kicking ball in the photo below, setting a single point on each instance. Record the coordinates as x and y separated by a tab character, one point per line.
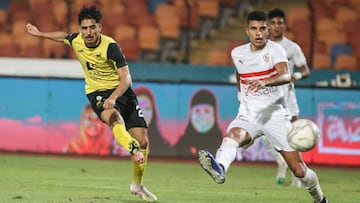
108	89
261	70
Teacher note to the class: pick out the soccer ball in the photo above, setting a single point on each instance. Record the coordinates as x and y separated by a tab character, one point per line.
304	135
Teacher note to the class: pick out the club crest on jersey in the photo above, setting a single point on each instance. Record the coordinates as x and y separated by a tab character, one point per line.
266	57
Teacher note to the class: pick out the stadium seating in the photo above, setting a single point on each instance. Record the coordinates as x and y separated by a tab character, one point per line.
124	31
149	43
209	15
60	10
218	57
12	50
130	48
336	23
300	14
321	61
52	49
347	62
339	49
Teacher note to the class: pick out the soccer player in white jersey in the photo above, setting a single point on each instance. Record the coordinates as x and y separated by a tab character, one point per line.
262	70
277	26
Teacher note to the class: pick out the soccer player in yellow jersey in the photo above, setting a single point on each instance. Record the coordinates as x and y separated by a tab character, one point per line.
108	88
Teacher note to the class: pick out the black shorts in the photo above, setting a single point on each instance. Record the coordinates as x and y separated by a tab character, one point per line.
127	105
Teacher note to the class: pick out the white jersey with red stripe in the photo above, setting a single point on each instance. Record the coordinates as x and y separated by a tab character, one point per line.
259	65
294	53
296	59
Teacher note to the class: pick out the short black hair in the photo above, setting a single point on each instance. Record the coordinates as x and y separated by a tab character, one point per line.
276	12
90	12
257	15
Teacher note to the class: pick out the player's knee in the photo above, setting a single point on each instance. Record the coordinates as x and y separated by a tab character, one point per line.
143	143
299	171
141	136
111	117
239	135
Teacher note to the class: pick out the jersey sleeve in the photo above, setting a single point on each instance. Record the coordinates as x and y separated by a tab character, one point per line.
279	54
299	57
69	38
116	55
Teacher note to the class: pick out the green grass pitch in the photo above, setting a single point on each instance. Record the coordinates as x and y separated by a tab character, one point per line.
59	179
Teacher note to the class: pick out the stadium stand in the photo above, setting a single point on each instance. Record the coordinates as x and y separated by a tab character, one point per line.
339	49
345	62
131	48
218	57
149	43
53	49
321	61
336	22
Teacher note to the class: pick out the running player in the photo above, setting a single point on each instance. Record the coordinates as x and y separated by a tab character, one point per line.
108	88
262	69
277	26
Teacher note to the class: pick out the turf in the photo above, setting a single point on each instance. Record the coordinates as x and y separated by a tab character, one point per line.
58	179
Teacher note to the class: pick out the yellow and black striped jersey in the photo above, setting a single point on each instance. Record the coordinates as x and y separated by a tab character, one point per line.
99	63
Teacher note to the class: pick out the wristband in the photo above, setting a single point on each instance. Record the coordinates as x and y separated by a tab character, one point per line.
297	76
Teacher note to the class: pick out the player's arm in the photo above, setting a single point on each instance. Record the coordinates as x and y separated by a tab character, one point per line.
58	36
303	73
283	76
116	55
300	62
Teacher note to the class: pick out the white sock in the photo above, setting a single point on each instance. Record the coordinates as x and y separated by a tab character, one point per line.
226	154
311	183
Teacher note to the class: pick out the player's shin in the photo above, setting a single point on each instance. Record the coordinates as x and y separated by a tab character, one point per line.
311	183
226	153
125	139
139	168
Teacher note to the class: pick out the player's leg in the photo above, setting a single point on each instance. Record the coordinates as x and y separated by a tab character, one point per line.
235	137
113	118
294	111
276	130
282	166
307	176
115	121
137	187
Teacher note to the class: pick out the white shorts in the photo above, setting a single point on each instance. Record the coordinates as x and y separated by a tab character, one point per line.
290	99
275	129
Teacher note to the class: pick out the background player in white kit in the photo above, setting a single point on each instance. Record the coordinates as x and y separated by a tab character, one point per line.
262	69
277	26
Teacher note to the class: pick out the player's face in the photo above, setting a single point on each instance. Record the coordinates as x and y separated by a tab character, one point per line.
276	28
146	107
203	117
90	31
257	32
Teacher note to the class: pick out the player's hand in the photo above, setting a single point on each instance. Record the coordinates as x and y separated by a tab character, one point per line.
255	85
109	103
32	29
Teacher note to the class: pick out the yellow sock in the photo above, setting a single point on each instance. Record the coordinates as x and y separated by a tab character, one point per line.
124	138
140	168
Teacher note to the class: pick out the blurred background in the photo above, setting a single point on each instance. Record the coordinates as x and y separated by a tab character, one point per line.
175	49
186	31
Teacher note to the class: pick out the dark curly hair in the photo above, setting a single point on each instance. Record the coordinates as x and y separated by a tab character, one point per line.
90	12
